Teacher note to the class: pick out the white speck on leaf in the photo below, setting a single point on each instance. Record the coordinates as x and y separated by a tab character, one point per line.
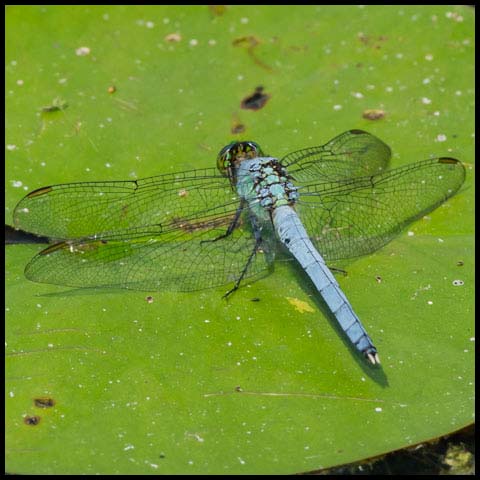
454	16
82	51
173	37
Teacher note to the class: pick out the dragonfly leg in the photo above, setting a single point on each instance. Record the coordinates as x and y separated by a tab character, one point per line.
257	231
338	270
245	269
233	225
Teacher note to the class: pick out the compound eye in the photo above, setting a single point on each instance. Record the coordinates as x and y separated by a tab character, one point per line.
224	159
233	154
253	150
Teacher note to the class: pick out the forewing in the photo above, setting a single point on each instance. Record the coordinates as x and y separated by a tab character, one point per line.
355	217
352	154
75	210
181	257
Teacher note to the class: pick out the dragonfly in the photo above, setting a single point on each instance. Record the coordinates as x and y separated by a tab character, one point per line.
209	227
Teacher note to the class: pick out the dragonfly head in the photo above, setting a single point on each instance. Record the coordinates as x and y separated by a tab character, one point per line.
233	154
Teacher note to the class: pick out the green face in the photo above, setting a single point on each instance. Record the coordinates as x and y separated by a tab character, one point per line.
234	153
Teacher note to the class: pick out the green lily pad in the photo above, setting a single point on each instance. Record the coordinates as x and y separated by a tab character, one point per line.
165	383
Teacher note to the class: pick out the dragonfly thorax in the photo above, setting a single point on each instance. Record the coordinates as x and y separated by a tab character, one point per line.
265	181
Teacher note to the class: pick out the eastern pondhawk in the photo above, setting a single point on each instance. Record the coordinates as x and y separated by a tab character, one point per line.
209	227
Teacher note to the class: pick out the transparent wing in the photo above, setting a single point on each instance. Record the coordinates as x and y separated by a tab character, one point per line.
352	154
80	209
348	218
180	256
